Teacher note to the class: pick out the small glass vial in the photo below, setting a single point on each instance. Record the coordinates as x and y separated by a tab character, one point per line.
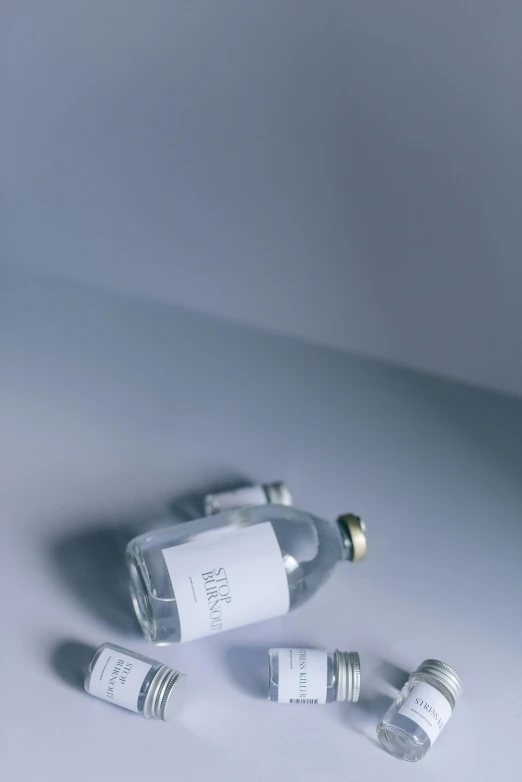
262	494
135	682
420	711
313	676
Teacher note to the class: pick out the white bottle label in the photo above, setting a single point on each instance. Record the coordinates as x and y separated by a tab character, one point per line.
302	676
117	677
426	706
228	578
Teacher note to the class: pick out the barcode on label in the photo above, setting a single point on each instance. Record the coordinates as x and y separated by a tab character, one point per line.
304	700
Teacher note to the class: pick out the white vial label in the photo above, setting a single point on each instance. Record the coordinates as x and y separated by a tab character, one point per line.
117	677
426	706
228	578
228	500
302	676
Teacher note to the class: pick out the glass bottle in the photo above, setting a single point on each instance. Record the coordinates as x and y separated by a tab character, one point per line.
135	682
277	493
420	711
235	568
313	676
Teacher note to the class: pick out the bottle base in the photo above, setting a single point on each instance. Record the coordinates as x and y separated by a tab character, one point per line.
400	744
140	600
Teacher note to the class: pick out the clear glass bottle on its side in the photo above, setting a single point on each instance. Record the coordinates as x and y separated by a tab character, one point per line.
276	493
417	716
235	568
135	682
313	676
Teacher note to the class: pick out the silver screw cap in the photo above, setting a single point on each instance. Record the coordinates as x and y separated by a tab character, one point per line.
445	673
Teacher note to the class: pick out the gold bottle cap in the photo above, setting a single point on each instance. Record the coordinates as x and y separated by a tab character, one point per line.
355	528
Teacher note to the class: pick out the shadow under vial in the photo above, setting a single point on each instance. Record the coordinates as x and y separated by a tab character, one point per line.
393	674
69	660
364	716
90	563
248	668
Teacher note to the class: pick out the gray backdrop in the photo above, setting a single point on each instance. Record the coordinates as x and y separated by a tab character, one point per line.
345	171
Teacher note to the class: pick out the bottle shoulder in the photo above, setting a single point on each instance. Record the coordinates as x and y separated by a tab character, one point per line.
283	519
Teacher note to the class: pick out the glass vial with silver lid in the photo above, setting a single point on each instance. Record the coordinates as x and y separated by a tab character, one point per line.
276	493
135	682
313	676
417	716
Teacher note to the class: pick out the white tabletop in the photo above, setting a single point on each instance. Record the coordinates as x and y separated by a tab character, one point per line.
110	406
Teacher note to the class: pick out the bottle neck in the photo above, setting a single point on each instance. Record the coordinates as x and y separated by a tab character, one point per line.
348	675
352	531
346	543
